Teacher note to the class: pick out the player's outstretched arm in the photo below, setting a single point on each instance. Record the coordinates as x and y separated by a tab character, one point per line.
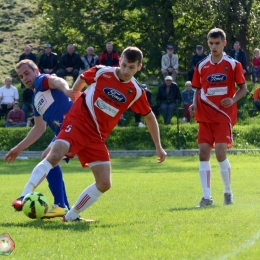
62	85
153	127
34	134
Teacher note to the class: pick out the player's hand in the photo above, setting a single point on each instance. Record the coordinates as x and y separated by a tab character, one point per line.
12	154
227	102
162	154
192	109
73	94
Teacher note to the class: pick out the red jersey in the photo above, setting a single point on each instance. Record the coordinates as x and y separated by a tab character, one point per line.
105	100
216	82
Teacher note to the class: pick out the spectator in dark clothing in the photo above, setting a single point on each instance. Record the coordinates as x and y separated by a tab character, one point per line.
197	57
167	99
149	99
70	63
48	63
15	117
27	55
109	57
27	102
238	54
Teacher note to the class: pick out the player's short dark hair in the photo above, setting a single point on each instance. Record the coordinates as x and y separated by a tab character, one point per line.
216	33
133	54
30	64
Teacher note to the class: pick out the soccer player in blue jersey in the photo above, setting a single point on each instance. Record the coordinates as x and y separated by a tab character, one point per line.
52	99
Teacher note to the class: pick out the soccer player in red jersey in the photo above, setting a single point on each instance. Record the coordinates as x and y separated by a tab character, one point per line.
214	106
111	91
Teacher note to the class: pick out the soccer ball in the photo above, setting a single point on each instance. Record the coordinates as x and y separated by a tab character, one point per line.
35	205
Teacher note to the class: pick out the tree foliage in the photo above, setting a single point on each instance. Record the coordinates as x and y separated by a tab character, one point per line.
149	24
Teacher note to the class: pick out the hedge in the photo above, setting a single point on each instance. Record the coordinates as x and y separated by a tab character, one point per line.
135	138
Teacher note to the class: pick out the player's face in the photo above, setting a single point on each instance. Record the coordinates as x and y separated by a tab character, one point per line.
128	69
216	46
27	75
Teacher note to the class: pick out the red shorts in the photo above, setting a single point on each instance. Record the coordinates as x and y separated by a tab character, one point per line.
212	133
87	151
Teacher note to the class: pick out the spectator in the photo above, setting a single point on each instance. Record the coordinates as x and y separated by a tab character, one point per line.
70	63
27	55
167	99
197	57
15	117
89	60
109	57
27	102
238	54
256	98
8	96
169	63
149	98
256	65
187	99
48	63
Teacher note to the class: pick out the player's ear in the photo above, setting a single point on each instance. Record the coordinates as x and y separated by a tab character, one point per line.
139	67
225	42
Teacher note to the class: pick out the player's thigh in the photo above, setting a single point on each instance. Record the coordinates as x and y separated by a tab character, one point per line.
58	150
204	151
221	151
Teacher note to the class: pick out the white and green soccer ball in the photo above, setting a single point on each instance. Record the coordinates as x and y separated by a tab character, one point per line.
35	205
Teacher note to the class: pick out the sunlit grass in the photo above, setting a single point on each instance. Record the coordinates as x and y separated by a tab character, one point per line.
148	214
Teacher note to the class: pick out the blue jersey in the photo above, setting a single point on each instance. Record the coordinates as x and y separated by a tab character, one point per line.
51	104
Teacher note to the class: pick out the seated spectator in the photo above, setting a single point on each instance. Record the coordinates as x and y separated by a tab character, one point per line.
256	65
197	57
8	96
70	63
48	63
187	99
169	63
27	55
15	117
27	102
238	54
168	98
89	60
109	57
256	98
149	98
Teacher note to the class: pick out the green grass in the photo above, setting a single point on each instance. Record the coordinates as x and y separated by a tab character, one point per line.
148	214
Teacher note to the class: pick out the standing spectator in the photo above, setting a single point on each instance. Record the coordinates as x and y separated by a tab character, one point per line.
256	65
109	57
70	63
8	96
256	98
169	63
15	117
196	58
215	109
27	55
167	99
27	102
238	54
48	63
89	60
187	99
149	99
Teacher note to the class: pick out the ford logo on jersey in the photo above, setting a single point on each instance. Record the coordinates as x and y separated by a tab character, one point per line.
217	78
115	95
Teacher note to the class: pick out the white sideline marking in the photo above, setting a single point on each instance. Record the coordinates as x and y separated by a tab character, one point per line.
250	242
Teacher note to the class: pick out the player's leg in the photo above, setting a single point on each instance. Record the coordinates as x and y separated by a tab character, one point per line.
205	141
102	174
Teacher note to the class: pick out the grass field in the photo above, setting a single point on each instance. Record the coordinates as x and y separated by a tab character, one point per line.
148	214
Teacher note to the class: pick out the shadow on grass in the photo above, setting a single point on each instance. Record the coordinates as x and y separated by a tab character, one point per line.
190	208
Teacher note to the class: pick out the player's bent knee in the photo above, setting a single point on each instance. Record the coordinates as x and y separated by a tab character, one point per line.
103	186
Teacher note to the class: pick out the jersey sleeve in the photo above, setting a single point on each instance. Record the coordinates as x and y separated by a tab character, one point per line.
239	74
141	105
196	78
45	83
89	75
